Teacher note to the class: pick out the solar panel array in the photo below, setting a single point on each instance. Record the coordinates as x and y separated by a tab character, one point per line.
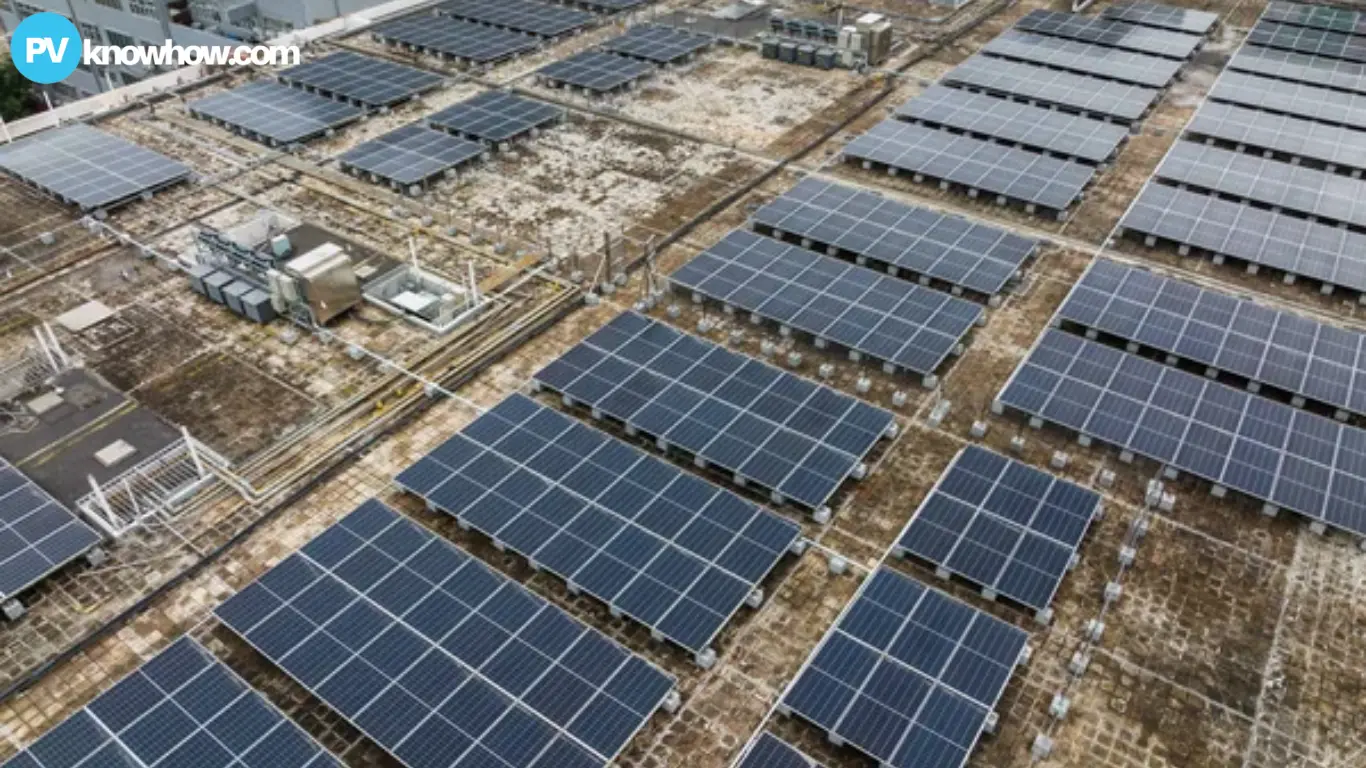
536	18
595	71
769	751
657	44
1316	103
410	155
1111	33
1067	90
656	544
87	167
1033	127
1293	244
920	241
765	425
1084	58
437	658
1301	68
1294	136
182	708
1294	353
974	163
365	80
1317	17
1162	17
1003	524
1287	457
906	326
274	112
457	38
38	535
1305	40
612	6
495	116
908	675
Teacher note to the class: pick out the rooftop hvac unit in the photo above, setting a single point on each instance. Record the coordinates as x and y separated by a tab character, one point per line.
215	283
327	281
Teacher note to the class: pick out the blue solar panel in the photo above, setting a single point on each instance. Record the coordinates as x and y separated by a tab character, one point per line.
437	658
1003	524
38	535
182	709
655	543
769	751
908	675
769	427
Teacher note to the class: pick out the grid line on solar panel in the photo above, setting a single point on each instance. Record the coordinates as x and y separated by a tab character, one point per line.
1322	104
495	116
541	19
656	43
908	675
1002	524
276	112
769	751
1309	191
439	659
905	326
1292	244
1301	68
665	548
960	252
1273	347
1286	457
595	71
1289	135
1084	58
1032	127
181	708
370	81
1070	91
1111	33
38	534
411	155
1315	41
89	167
457	38
765	425
1162	17
1317	17
976	164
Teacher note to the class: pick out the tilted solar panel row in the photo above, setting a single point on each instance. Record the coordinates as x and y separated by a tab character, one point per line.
1316	103
1301	68
88	167
1316	17
1305	40
370	81
1162	16
1067	90
38	534
1332	145
769	751
275	113
1112	33
457	38
412	154
495	116
1084	58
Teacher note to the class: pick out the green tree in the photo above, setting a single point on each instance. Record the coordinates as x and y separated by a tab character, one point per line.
16	92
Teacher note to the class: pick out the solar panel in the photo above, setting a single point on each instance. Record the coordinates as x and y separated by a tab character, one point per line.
658	44
1111	33
1002	524
1066	90
541	19
495	116
1162	17
1317	17
1293	187
456	38
769	751
594	71
87	167
902	325
976	164
1301	68
1287	457
410	155
437	658
612	6
182	708
1032	127
657	544
275	113
1308	139
1084	58
1316	41
761	423
365	80
38	534
903	237
908	676
1299	355
1322	104
1292	244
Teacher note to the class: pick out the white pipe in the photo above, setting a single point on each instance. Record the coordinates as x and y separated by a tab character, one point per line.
42	344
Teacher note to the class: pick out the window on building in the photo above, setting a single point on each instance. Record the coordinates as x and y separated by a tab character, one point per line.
92	33
119	39
24	10
5	6
110	4
143	7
